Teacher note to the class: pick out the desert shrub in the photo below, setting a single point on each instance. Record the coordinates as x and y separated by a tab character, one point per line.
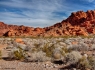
72	57
39	56
88	62
65	49
27	48
19	54
74	48
84	63
84	47
34	49
93	47
37	47
63	53
80	47
91	60
48	49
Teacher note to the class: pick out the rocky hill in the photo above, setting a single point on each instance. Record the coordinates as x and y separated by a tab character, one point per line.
78	23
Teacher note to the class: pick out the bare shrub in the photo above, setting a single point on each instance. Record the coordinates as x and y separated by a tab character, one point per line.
39	56
80	47
72	57
93	47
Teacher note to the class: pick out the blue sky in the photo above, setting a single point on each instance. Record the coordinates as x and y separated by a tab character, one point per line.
40	13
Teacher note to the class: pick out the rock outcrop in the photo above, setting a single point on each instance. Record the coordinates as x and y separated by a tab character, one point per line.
78	23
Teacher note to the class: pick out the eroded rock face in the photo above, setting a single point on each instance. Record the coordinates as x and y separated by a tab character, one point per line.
78	23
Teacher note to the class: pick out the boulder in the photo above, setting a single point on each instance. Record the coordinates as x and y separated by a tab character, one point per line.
19	40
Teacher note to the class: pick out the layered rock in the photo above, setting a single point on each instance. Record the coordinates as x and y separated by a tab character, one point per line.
78	23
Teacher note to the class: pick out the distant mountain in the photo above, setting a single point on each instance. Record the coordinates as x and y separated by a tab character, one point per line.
78	23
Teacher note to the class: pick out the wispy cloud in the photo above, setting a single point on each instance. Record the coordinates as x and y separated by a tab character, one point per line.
38	12
30	19
88	0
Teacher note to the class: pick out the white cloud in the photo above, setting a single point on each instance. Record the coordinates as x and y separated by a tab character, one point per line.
88	0
47	5
31	22
39	13
35	12
36	20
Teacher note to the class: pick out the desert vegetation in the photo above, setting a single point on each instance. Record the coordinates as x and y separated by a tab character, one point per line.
63	53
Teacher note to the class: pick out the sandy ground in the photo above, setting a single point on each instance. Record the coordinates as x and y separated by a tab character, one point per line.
2	46
17	65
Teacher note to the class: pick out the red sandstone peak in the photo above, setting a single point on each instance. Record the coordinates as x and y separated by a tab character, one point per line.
78	23
2	24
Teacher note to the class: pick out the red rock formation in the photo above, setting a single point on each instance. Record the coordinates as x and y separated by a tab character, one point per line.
78	23
19	40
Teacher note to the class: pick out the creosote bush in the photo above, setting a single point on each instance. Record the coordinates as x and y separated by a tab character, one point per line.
88	62
72	57
65	49
79	47
37	48
84	63
39	56
48	49
91	60
19	54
